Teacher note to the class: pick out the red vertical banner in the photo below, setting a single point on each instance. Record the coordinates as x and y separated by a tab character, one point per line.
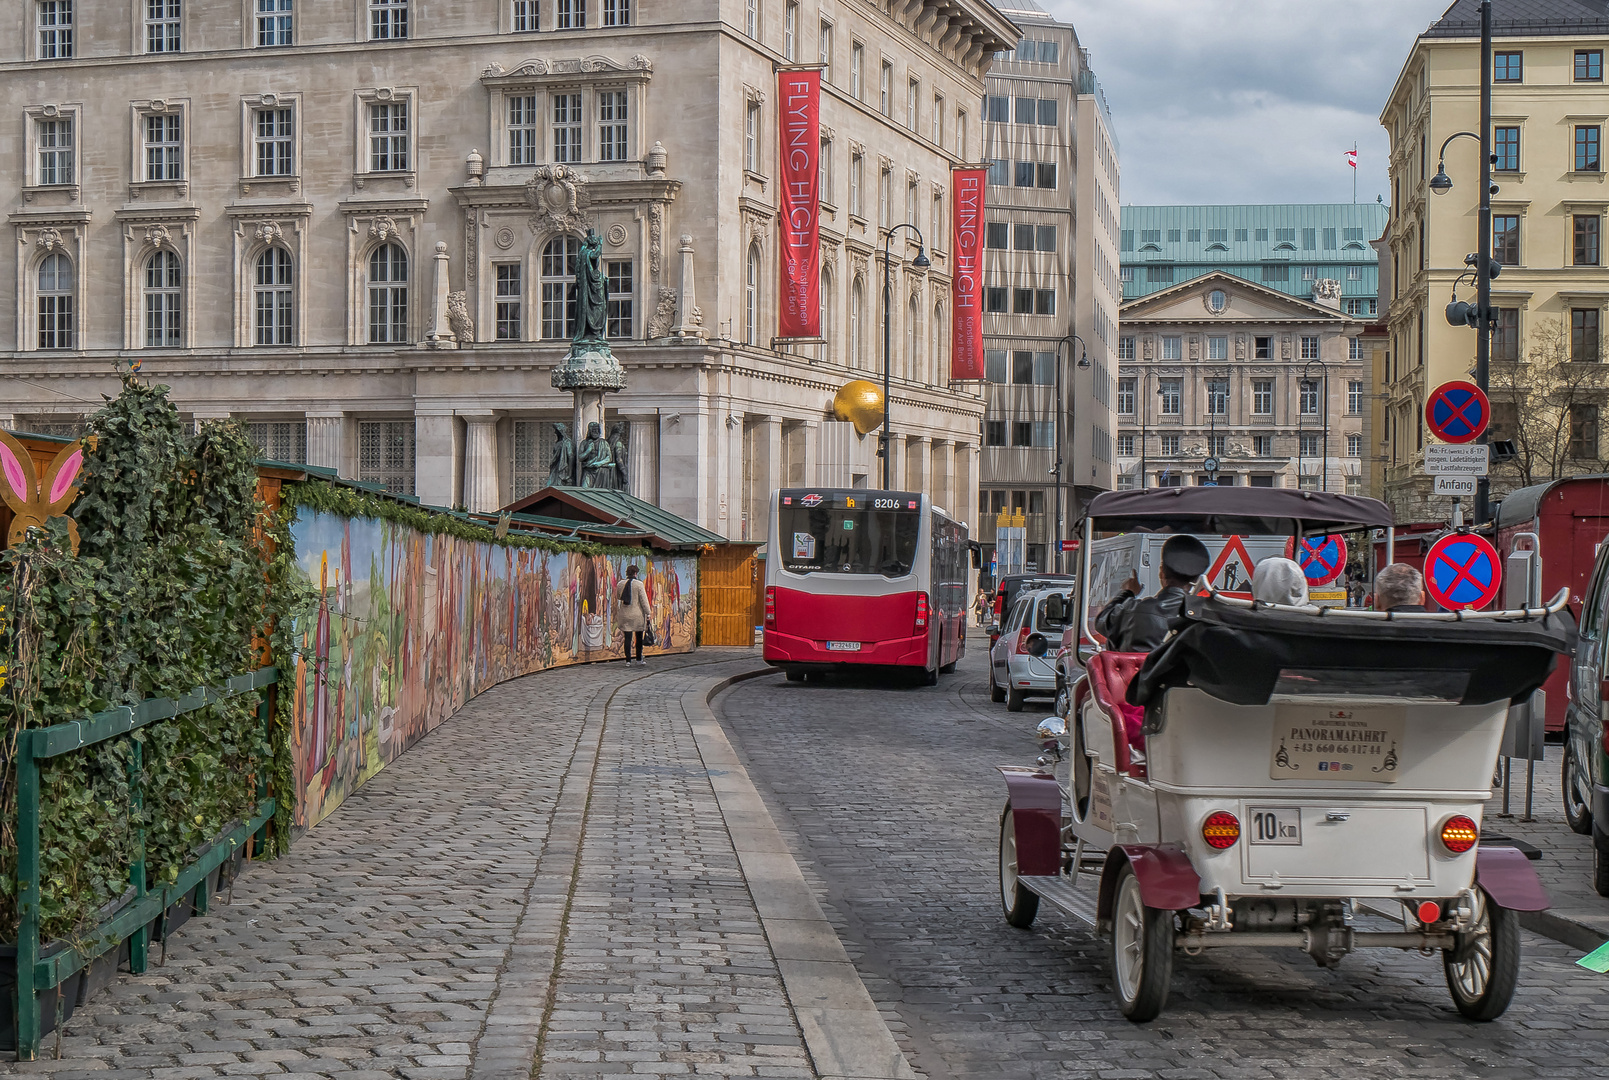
799	314
966	344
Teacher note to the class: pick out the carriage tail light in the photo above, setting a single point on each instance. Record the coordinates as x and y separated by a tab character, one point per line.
1429	912
770	607
921	612
1220	830
1459	834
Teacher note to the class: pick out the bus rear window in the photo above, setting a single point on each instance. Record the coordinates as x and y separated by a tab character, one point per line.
840	541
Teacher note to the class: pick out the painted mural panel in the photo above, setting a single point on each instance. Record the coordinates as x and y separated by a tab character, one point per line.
412	626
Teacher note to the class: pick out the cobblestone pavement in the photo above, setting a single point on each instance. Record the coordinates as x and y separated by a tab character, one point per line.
889	798
441	922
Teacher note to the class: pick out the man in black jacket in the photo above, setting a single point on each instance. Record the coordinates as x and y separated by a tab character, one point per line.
1133	623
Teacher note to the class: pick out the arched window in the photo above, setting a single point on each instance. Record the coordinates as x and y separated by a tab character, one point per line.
940	376
857	319
751	298
388	295
163	279
55	302
558	307
913	342
273	295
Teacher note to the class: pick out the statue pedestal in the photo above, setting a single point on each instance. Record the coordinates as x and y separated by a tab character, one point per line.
589	371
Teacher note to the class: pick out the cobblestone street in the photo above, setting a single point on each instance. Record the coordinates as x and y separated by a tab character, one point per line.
891	801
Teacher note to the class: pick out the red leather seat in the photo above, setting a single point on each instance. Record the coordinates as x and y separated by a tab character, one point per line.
1109	676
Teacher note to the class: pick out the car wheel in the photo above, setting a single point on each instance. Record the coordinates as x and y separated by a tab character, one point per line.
1577	791
1014	700
1482	983
1019	904
928	677
996	694
1142	951
948	669
1064	699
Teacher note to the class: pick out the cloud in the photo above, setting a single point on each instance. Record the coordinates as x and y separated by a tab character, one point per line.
1248	101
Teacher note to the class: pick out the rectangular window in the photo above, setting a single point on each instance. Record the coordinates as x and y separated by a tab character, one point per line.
994	365
1262	445
1025	174
1217	348
1027	110
1310	446
1276	271
1584	232
1354	349
1172	348
961	134
1310	348
1584	338
912	89
1506	239
388	137
1125	274
617	12
996	109
526	16
1218	446
1262	348
388	20
1355	273
1589	65
524	130
994	433
857	176
1506	335
1309	273
1044	238
1022	433
1506	148
620	292
386	454
938	119
751	18
1329	239
566	127
994	300
1262	397
273	142
997	234
1022	368
885	195
1150	236
56	29
1159	273
1217	236
1125	446
510	302
1125	348
885	89
910	203
1169	448
1354	396
1584	431
1044	301
161	26
751	137
824	50
1022	237
1307	395
824	167
280	440
1285	236
1125	396
1046	175
275	22
1022	301
164	147
1126	240
999	171
790	31
857	69
612	125
1047	112
1217	397
55	141
1507	67
1309	239
1586	148
572	14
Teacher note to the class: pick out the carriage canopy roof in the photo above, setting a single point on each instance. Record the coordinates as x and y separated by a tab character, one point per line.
1244	511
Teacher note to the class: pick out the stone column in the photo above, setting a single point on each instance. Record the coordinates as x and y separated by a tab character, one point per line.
441	331
642	466
963	506
918	465
896	464
939	478
480	463
326	436
774	475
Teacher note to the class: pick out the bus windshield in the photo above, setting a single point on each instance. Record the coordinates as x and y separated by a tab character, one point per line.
844	540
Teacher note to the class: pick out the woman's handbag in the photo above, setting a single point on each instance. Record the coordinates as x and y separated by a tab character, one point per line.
648	638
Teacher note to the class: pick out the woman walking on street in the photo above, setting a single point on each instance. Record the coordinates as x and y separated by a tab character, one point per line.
633	616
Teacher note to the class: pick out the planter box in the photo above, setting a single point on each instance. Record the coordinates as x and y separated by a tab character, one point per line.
79	988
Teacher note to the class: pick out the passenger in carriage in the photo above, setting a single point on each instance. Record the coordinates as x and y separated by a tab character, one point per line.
1136	624
1399	587
1279	581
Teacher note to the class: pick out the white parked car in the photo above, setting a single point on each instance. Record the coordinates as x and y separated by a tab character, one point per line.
1022	662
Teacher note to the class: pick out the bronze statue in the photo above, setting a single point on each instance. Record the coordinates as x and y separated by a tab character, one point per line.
618	432
598	468
588	295
561	464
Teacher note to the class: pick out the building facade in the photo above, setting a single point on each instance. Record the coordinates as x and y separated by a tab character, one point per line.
1547	382
349	224
1050	271
1227	381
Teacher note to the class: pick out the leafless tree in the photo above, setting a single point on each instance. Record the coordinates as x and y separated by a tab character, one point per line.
1551	408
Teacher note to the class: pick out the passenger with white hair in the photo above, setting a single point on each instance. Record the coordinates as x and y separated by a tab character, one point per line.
1399	587
1279	581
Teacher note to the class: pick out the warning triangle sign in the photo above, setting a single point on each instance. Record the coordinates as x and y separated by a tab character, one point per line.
1231	571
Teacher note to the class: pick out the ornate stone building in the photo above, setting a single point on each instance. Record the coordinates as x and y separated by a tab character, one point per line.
349	222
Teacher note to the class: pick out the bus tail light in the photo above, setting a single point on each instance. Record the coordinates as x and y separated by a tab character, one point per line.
1459	834
770	607
1220	830
921	612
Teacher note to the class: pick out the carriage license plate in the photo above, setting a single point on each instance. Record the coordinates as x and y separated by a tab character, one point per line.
1274	825
843	646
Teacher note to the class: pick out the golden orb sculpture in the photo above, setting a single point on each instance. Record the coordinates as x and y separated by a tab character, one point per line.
861	403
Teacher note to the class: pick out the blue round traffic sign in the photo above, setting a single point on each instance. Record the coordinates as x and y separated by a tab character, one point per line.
1322	558
1462	571
1457	412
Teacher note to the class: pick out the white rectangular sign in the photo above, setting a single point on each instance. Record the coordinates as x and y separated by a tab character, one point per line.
1322	743
1457	485
1470	459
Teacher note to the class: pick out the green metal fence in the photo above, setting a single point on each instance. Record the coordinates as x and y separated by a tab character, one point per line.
132	923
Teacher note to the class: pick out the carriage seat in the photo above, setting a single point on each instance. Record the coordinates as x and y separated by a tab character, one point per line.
1109	676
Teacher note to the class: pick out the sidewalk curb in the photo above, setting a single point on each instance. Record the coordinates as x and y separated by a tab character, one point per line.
844	1031
1564	931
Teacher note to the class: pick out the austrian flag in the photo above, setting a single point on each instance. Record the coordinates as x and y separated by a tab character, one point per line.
1352	158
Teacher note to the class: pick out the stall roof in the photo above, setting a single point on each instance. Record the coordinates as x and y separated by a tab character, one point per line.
572	504
1246	511
1521	504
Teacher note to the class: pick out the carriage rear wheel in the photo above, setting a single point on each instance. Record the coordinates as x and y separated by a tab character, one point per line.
1019	903
1483	982
1142	951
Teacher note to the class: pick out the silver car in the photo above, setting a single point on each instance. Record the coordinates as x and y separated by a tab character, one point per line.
1023	660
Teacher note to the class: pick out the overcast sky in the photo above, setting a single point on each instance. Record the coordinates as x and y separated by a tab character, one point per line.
1248	101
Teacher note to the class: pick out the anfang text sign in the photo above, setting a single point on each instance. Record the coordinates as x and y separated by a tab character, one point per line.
1466	460
1458	486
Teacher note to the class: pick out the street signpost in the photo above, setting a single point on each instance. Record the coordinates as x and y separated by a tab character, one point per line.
1443	460
1069	545
1457	412
1462	570
1322	558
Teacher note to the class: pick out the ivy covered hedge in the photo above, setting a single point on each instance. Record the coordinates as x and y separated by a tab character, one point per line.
168	592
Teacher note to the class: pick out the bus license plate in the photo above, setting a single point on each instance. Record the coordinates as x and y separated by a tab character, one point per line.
843	646
1274	825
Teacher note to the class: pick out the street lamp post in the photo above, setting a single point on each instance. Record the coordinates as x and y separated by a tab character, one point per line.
1056	470
921	263
1324	462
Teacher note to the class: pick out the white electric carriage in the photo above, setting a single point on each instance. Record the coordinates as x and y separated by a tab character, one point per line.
1280	777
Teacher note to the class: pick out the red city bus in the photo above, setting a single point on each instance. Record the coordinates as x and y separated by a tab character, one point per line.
866	578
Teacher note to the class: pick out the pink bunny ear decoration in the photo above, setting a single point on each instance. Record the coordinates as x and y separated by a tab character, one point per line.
31	507
61	478
17	468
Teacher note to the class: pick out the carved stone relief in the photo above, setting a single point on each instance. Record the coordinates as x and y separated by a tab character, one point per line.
560	197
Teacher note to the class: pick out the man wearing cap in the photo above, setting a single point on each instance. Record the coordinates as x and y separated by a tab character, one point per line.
1133	623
